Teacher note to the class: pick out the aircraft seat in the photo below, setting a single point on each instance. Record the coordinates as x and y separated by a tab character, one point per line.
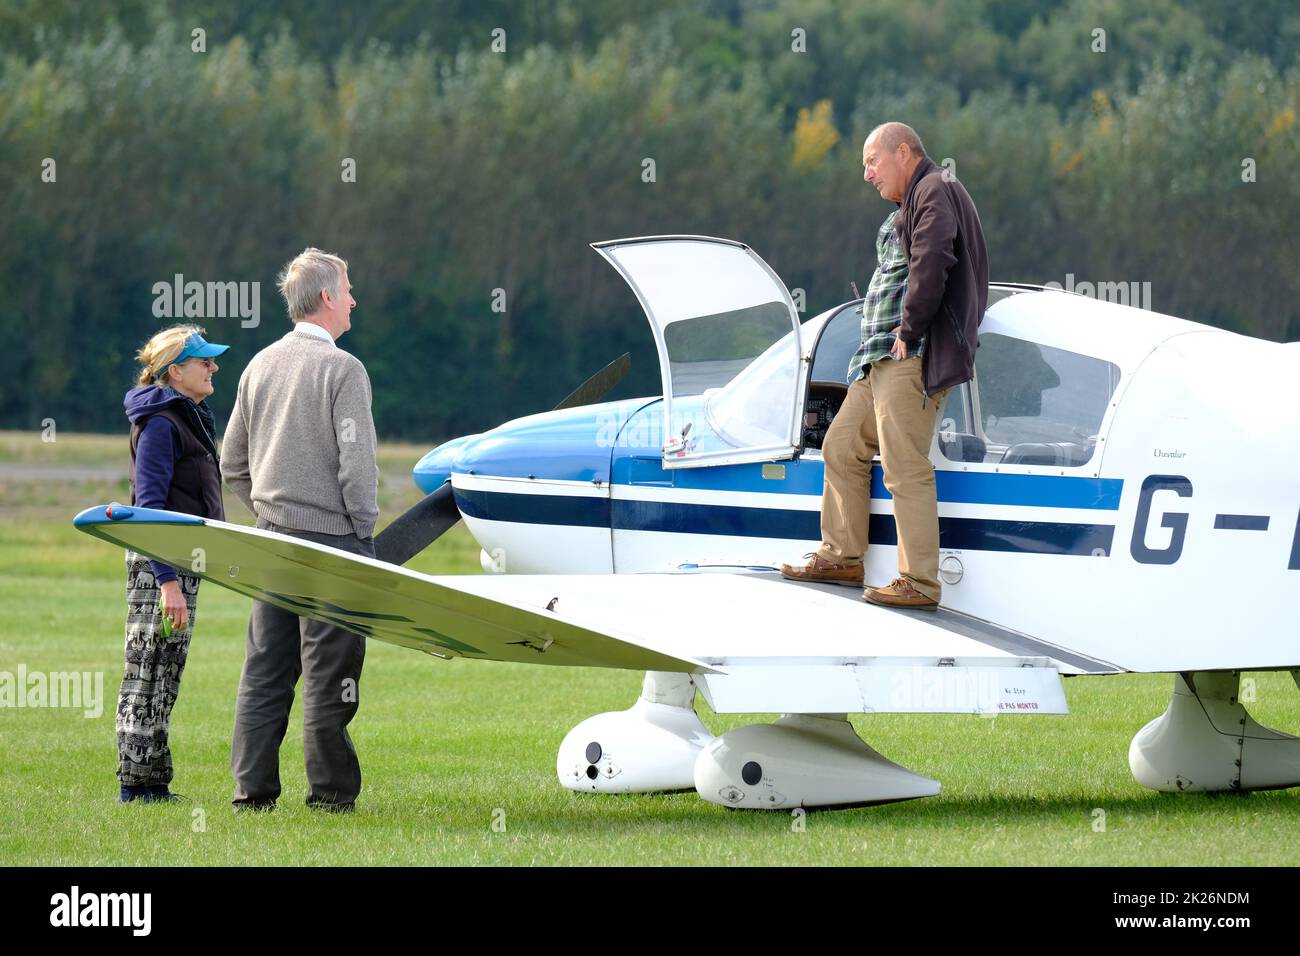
961	446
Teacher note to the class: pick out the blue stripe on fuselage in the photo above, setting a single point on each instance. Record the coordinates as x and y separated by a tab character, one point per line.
571	510
976	534
1038	491
804	477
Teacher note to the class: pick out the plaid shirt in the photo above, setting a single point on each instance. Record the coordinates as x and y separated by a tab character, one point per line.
882	307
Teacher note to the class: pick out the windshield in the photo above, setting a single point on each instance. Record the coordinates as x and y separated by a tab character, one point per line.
756	406
709	351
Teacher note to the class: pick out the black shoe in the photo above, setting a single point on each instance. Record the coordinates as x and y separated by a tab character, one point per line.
128	794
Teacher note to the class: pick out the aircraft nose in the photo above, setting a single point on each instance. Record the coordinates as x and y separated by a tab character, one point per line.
433	470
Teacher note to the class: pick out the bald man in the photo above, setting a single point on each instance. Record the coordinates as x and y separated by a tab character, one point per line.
920	327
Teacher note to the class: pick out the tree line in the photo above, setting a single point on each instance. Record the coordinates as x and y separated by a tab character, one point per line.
462	158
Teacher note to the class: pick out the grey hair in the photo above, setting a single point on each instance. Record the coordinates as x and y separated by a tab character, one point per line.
894	134
310	273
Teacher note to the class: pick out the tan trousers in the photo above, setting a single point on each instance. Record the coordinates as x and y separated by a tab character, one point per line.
885	412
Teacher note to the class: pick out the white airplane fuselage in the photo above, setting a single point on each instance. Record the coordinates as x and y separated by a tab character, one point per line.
1174	547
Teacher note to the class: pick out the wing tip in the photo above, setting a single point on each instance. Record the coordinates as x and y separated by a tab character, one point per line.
116	513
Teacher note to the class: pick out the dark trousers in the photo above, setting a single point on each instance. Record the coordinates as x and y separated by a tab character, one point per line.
281	647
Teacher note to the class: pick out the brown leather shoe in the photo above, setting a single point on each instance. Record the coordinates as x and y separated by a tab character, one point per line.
819	569
900	593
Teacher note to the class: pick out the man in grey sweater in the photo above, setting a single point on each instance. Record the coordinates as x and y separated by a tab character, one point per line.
300	452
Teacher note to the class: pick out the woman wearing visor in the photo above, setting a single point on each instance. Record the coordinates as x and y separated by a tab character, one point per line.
174	466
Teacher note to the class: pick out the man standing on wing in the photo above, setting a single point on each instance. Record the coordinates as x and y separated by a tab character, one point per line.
920	327
300	452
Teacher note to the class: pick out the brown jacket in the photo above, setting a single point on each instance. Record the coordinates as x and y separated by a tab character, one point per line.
947	275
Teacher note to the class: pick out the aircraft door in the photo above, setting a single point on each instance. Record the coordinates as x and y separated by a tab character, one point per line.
730	355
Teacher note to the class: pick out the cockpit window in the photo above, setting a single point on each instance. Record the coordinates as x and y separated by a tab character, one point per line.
837	345
709	351
754	408
1035	405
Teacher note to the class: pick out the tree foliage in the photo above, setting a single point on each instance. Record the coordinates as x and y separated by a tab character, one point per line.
481	176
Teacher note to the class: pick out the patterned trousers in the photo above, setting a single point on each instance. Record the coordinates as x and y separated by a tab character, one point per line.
152	678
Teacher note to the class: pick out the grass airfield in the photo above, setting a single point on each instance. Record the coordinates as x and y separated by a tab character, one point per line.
459	757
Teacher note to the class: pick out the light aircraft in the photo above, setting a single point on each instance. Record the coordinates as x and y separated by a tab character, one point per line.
1117	493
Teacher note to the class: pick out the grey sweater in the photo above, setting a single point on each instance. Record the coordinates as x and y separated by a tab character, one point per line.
300	446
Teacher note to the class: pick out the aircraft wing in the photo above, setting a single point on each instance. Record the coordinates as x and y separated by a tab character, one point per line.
755	642
438	615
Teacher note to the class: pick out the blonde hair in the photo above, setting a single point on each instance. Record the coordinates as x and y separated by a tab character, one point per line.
310	273
160	351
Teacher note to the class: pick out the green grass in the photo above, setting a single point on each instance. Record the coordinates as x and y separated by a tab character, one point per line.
444	746
62	449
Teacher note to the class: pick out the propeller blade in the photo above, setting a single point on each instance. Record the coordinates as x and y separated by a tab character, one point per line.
599	385
418	527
